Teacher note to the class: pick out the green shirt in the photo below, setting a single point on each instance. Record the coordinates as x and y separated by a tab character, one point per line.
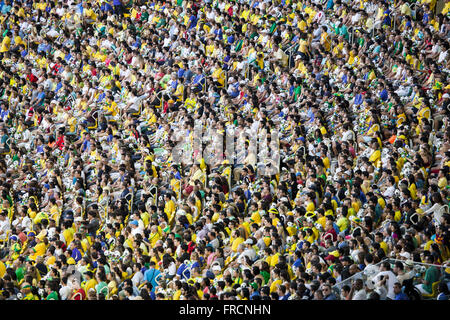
102	287
144	16
20	273
431	276
266	276
4	141
297	92
52	296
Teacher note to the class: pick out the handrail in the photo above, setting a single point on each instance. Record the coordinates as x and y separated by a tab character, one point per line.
338	286
155	195
413	11
179	193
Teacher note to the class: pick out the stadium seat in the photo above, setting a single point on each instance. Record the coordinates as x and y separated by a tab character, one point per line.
434	292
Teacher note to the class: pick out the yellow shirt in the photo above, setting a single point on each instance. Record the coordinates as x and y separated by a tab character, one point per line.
274	285
153	238
236	243
90	284
112	107
6	43
39	250
303	46
256	217
68	235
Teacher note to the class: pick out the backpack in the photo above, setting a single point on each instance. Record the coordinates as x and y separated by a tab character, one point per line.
411	291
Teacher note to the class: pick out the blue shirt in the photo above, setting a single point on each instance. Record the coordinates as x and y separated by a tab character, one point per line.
330	4
358	99
43	47
219	33
76	255
180	73
4	114
198	80
401	296
86	145
58	86
253	295
6	9
384	95
297	263
150	276
192	22
41	97
68	57
182	273
106	7
235	92
311	115
285	297
101	97
331	296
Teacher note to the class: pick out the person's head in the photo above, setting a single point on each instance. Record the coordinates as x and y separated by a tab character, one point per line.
326	289
397	288
359	284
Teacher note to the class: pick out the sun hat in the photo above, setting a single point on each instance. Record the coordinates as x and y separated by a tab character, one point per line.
409	263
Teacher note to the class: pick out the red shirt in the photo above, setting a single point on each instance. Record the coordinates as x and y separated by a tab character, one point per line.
79	295
31	77
60	142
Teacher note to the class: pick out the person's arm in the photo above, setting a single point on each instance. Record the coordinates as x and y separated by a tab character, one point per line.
435	207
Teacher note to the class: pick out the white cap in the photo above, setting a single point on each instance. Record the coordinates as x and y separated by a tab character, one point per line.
406	255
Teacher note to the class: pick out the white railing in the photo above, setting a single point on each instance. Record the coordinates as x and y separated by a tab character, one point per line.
361	275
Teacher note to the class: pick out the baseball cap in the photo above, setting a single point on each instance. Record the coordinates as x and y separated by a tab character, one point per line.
71	261
249	241
31	234
134	222
406	255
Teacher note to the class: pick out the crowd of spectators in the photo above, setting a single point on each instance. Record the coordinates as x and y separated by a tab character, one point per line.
99	98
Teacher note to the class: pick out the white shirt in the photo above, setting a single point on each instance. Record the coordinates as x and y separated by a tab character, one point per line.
392	279
24	223
4	227
389	192
442	56
360	295
137	278
137	230
371	270
60	11
65	292
249	253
